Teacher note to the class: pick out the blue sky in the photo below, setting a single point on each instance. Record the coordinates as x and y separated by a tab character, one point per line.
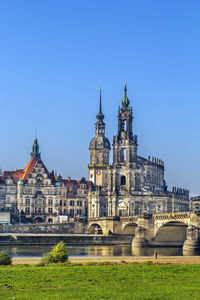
55	54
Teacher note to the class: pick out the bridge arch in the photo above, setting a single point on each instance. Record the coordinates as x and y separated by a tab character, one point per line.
95	228
129	228
171	231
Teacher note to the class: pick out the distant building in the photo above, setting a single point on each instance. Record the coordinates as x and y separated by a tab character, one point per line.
132	185
195	203
34	194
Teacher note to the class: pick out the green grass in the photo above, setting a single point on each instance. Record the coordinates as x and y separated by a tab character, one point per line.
131	281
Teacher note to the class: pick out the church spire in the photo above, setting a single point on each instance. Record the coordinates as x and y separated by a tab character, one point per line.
100	101
100	125
100	115
35	150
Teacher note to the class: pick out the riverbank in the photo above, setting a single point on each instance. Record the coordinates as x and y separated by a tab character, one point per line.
39	239
118	259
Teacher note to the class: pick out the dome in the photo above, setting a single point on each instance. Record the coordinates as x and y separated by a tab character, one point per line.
20	182
125	101
99	142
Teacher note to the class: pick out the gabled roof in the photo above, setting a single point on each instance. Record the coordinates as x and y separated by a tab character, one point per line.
29	168
23	174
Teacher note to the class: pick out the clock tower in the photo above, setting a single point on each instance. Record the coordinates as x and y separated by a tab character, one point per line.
99	152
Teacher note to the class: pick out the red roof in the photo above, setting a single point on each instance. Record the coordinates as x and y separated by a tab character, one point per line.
29	168
23	174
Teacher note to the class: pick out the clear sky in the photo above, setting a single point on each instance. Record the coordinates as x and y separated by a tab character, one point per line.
54	54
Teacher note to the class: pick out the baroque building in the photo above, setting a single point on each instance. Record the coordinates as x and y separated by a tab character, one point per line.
34	194
132	185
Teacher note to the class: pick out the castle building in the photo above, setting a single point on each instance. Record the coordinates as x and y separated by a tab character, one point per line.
34	194
132	185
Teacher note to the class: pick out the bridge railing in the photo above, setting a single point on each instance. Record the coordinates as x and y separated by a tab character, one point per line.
171	216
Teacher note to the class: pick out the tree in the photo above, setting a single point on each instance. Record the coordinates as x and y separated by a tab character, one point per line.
58	254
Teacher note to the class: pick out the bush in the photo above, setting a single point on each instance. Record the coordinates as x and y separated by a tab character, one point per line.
58	254
5	259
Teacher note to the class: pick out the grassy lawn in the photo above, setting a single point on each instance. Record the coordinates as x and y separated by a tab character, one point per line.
132	281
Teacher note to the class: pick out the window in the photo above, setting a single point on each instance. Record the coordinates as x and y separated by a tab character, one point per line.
80	203
71	212
123	180
50	201
50	210
60	202
72	203
124	155
27	210
77	203
27	201
79	212
65	211
64	203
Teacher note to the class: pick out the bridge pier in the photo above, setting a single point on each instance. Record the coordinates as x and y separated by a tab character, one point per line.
191	245
140	241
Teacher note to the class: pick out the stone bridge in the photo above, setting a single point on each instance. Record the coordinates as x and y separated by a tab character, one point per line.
158	229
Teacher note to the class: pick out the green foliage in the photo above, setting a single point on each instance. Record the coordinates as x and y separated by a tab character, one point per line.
5	259
59	254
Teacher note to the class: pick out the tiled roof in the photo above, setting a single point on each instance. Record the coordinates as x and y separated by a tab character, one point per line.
29	168
23	174
16	175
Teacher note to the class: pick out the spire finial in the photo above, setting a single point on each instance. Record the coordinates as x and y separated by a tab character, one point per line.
125	100
125	88
100	100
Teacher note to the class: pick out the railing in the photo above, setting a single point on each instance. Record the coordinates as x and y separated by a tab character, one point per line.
171	216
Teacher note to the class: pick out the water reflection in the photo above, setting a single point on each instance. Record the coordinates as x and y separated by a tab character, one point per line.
121	250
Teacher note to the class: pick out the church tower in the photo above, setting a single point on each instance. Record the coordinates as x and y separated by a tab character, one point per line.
35	150
99	152
124	143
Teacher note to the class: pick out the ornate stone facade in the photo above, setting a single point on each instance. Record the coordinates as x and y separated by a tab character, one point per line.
34	194
132	185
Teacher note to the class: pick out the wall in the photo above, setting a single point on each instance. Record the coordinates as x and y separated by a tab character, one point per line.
68	227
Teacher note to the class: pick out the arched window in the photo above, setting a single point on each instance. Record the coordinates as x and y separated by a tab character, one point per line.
123	180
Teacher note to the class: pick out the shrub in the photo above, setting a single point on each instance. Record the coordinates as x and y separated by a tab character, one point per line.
5	259
58	254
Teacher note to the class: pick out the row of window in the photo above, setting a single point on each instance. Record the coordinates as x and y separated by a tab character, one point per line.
71	212
50	202
38	210
39	202
56	192
50	211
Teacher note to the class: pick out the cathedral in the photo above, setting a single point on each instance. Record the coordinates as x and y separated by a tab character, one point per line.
132	184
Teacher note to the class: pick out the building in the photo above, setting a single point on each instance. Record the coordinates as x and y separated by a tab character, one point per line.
195	203
132	185
34	194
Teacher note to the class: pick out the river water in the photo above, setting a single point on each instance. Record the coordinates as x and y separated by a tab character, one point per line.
93	251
